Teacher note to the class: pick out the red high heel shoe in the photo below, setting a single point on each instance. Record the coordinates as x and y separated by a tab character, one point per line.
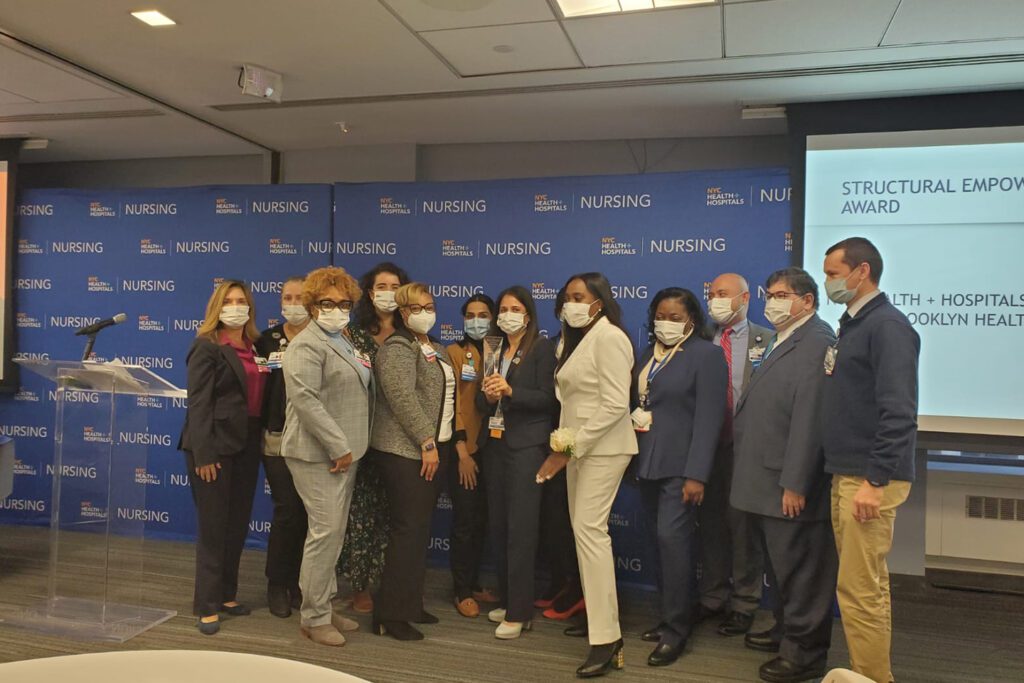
550	613
544	603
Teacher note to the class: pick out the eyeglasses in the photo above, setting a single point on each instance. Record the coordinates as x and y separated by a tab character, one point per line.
328	305
416	308
768	296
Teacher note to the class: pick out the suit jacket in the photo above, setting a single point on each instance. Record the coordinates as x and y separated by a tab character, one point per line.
410	402
757	338
216	421
593	386
530	411
329	402
687	403
778	428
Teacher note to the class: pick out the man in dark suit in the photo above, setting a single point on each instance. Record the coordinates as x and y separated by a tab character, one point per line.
780	479
732	562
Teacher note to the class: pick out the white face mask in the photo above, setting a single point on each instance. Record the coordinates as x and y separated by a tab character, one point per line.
384	300
720	309
511	322
777	311
295	314
422	322
671	333
576	314
333	321
234	316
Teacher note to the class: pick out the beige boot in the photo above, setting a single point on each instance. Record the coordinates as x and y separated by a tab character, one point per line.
324	635
343	623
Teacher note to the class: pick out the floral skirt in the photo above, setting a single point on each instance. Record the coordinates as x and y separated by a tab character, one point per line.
362	557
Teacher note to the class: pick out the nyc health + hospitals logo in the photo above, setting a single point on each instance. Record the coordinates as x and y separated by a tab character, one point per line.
225	207
545	203
151	247
26	321
149	324
453	248
29	247
101	210
450	333
94	283
389	206
612	246
278	247
541	292
719	196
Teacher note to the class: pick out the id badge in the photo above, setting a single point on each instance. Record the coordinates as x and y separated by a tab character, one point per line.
429	352
468	373
642	420
275	360
261	364
755	354
363	359
830	360
497	426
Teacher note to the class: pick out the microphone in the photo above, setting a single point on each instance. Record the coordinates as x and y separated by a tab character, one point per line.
101	324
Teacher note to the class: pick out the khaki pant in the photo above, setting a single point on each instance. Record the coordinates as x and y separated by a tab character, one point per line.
863	584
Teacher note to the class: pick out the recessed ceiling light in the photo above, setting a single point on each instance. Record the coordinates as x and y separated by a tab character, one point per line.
584	8
154	18
503	49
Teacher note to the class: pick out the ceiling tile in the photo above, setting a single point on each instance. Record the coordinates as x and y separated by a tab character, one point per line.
505	49
791	26
942	21
663	36
433	15
35	80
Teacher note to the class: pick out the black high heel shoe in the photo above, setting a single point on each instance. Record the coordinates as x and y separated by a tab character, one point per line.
399	630
426	618
602	659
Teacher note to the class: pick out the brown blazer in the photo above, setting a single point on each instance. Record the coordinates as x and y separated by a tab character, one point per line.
467	416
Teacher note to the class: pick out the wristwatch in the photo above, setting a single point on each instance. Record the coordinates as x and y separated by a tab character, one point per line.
876	484
430	446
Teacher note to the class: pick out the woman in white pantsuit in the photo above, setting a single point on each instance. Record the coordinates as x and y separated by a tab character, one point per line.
592	382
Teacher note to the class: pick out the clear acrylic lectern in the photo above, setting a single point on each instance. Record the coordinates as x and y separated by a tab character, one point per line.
94	587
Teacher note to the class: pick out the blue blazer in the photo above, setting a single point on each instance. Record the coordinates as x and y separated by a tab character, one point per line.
687	402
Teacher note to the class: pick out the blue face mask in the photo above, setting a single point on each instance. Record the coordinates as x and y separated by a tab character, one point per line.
837	291
476	328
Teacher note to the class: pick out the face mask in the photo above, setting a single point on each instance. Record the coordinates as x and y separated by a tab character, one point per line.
421	322
234	316
720	309
510	322
837	290
384	300
777	311
476	328
333	321
671	333
295	315
576	314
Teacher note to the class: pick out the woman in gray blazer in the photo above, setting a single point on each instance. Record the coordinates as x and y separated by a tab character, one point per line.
415	430
327	423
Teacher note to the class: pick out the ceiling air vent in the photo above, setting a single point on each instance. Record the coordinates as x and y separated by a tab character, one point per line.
990	507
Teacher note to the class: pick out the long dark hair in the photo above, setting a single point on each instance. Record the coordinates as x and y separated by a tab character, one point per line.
523	296
693	309
365	313
597	284
487	301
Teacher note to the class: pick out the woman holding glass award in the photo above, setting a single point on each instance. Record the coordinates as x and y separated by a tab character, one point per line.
595	442
518	402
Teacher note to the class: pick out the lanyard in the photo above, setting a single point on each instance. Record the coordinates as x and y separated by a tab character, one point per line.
656	366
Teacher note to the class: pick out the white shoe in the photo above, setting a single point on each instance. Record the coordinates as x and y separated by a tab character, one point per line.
343	623
496	615
510	630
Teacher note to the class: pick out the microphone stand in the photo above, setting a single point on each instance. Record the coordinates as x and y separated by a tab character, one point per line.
88	346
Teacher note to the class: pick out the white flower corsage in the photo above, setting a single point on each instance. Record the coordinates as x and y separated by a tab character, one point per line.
564	441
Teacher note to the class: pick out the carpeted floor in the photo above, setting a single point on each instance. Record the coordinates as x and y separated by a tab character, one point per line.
940	635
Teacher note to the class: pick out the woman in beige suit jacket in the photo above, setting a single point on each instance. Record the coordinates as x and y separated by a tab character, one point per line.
592	382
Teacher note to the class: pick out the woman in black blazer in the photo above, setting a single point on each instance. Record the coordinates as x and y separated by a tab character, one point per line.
518	404
221	440
679	388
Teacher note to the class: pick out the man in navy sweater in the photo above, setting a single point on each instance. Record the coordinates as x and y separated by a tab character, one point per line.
869	417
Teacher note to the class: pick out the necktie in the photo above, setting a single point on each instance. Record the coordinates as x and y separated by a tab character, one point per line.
768	349
726	342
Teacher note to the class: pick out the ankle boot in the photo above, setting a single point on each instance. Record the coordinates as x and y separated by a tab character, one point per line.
602	659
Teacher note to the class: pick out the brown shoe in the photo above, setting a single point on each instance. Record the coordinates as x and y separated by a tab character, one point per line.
467	607
343	623
362	602
324	635
485	595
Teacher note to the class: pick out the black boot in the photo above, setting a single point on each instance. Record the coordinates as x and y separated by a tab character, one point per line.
426	618
602	659
399	630
279	602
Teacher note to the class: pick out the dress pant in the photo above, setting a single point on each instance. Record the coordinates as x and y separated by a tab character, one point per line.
732	559
469	526
802	568
288	527
557	545
863	583
674	524
593	482
411	501
514	499
327	497
223	510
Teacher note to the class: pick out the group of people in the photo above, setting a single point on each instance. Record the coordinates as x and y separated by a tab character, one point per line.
756	451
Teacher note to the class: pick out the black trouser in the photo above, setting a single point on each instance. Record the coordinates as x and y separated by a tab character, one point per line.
673	526
802	566
514	498
288	528
469	527
557	543
223	510
411	501
729	549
